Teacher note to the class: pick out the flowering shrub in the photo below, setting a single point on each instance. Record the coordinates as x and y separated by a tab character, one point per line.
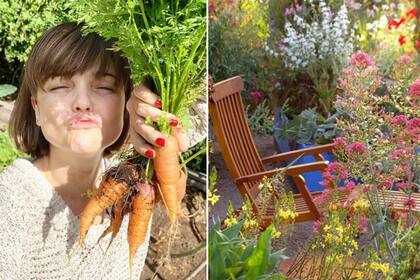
382	150
318	42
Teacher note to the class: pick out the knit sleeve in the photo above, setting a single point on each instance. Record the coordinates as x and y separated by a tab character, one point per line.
12	235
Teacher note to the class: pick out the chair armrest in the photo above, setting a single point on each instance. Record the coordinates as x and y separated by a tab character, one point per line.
302	152
291	171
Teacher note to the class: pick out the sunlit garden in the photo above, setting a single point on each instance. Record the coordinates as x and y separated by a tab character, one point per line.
342	76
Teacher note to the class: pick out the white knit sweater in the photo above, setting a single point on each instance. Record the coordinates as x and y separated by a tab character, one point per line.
39	234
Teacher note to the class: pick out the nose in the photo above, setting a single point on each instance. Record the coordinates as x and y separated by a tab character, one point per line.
82	100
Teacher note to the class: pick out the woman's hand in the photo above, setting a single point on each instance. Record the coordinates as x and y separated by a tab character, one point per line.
144	103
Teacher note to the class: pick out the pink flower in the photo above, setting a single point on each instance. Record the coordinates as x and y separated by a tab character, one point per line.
356	148
414	91
405	59
335	172
399	120
350	185
414	123
403	185
316	226
339	143
212	7
397	153
386	183
410	202
360	59
289	11
299	8
362	224
323	196
255	97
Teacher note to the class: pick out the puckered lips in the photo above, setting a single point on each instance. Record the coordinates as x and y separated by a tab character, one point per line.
84	122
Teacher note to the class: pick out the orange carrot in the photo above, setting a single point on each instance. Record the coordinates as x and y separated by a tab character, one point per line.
169	175
110	191
142	208
117	215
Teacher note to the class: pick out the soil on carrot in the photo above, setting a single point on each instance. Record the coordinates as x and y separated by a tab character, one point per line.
191	234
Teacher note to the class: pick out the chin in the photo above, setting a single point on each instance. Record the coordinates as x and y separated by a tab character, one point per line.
86	142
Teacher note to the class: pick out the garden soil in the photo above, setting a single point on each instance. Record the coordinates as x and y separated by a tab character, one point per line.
191	233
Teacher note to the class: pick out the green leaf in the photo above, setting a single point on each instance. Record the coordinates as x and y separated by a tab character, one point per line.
7	90
258	261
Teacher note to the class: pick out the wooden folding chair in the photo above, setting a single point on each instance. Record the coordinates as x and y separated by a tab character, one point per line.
247	167
242	158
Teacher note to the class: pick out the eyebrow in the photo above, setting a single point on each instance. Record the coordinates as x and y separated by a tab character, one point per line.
110	75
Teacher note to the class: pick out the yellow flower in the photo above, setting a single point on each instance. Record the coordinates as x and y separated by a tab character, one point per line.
261	186
287	214
276	234
213	198
355	244
333	206
383	267
361	205
359	275
231	221
327	228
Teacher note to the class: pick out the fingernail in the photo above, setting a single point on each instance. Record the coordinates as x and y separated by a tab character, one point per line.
149	154
160	141
173	122
158	104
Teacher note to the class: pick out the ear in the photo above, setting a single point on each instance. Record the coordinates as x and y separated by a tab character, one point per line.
34	103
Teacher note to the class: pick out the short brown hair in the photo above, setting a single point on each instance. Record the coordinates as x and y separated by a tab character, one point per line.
63	51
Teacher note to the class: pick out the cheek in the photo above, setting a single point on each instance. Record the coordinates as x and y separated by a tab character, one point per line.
113	121
53	117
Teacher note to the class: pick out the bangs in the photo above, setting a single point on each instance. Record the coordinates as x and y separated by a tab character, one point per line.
66	52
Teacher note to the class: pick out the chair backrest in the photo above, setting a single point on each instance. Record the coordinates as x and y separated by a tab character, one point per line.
233	134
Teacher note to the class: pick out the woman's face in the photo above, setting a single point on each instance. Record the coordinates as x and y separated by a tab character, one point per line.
81	115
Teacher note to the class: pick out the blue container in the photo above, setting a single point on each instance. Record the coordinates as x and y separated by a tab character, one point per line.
313	178
280	143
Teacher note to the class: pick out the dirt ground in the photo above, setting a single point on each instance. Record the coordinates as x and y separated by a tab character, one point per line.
191	234
300	233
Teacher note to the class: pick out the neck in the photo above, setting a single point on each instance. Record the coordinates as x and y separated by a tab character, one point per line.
71	175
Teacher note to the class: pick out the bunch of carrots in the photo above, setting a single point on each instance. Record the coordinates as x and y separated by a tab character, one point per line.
125	189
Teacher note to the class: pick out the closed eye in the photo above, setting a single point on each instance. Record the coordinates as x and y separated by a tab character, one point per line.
60	87
106	88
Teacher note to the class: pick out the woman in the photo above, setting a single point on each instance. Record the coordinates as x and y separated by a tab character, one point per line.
73	109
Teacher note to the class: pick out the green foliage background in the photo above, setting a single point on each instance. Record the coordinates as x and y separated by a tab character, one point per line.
21	23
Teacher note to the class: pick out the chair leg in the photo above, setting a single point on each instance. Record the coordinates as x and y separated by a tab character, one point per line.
301	185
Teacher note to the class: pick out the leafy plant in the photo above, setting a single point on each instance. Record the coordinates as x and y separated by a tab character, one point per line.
408	244
231	257
6	90
21	23
7	152
310	128
199	160
260	121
